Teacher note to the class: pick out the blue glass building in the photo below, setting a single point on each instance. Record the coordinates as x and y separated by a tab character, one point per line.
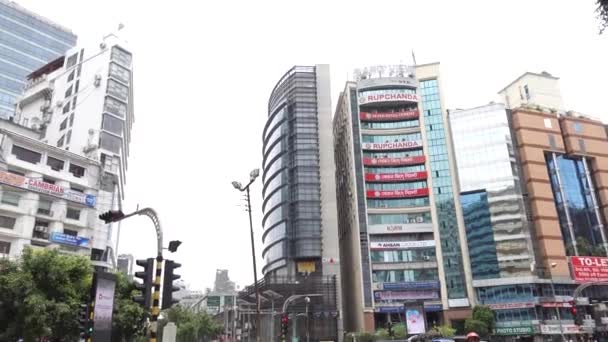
27	42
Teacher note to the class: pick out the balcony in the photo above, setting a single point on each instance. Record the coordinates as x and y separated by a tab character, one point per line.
40	236
35	89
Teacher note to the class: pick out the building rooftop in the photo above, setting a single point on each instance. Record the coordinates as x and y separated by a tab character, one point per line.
542	74
36	16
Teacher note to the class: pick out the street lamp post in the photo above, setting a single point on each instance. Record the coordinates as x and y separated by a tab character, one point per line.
561	328
307	300
237	185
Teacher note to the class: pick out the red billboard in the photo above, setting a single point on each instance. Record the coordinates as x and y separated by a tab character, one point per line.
395	177
589	268
367	161
389	116
396	145
398	193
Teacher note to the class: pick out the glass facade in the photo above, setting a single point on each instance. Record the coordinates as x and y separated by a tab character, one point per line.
292	190
573	181
442	189
27	42
492	202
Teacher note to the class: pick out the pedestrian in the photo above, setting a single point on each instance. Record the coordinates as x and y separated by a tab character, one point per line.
472	337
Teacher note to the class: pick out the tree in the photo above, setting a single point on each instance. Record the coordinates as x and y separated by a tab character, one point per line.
482	321
191	325
602	14
477	326
40	295
443	331
129	317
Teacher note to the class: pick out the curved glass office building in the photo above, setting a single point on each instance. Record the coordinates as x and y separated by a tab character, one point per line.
292	161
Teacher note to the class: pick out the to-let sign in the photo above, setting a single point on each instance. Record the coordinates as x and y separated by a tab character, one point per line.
367	161
395	177
389	116
396	145
398	193
589	268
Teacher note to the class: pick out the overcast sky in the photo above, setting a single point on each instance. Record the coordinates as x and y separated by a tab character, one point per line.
203	71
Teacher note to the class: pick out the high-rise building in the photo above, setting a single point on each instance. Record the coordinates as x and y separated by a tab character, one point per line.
27	42
125	264
83	102
300	224
534	181
401	229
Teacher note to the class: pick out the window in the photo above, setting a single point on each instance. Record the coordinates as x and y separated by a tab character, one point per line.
60	141
74	102
77	189
578	128
77	171
552	142
70	232
73	214
81	55
41	230
68	92
76	87
10	198
72	60
120	73
48	180
15	172
527	92
581	145
44	207
118	90
66	108
63	125
121	56
110	142
71	77
115	107
71	119
7	222
112	124
26	155
547	123
5	247
68	137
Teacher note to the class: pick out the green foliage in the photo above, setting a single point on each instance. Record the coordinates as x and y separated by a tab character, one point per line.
602	14
360	337
40	295
191	325
129	317
400	330
443	331
584	247
486	315
473	325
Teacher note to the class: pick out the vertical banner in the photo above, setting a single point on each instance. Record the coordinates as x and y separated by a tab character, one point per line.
104	304
415	318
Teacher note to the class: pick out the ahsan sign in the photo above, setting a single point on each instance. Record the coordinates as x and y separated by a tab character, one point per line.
589	268
39	186
401	244
367	161
396	145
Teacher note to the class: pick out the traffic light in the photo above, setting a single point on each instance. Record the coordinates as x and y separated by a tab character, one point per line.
389	327
574	311
85	325
168	287
112	216
145	286
284	326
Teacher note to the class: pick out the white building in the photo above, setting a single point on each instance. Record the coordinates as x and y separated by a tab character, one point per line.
50	198
72	128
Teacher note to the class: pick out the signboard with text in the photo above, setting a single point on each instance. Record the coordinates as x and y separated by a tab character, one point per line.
431	284
589	268
389	116
405	295
389	95
104	305
395	145
39	186
415	319
406	193
70	240
367	161
508	306
395	177
551	329
401	244
517	330
400	228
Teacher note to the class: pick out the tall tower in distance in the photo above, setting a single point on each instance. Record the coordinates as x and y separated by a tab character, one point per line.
28	41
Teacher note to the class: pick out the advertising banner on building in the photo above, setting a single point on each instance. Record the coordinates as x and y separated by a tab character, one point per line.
39	186
367	161
400	228
388	95
405	295
410	285
516	330
401	244
398	193
552	329
589	268
70	240
415	319
395	177
389	116
395	145
104	304
508	306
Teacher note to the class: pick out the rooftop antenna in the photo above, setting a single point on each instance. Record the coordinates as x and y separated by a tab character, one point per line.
414	57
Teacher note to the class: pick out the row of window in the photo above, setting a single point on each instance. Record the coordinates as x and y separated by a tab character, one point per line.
20	44
390	138
14	86
391	276
395	169
397	203
390	125
12	71
395	186
31	25
44	208
20	58
30	156
412	153
413	255
399	218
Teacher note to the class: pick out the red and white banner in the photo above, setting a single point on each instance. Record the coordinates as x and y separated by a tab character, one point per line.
395	177
403	295
389	116
401	244
556	305
391	95
367	161
398	193
397	145
589	268
506	306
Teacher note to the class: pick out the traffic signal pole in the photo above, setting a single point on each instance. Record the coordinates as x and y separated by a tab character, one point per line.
156	299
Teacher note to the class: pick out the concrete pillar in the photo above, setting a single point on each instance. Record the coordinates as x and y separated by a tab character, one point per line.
169	332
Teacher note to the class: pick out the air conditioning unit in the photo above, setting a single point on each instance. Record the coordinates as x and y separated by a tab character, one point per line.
59	103
42	229
97	82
